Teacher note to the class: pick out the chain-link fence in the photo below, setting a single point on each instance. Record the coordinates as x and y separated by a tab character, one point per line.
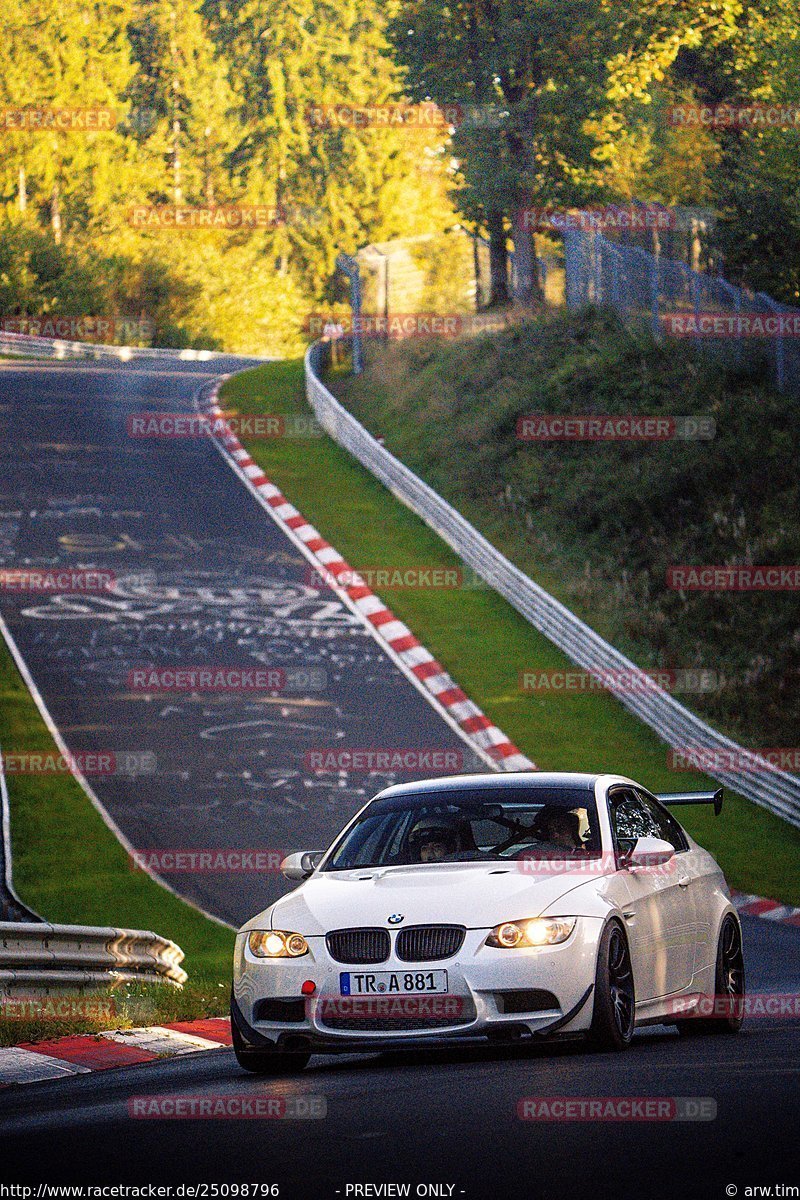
741	329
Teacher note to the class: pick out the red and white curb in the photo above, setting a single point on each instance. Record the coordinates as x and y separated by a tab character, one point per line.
770	910
35	1062
417	663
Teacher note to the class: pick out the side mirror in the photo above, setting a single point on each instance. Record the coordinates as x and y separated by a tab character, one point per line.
649	852
300	865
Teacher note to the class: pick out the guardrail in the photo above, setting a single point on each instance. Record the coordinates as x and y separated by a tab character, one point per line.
773	789
680	728
54	348
35	954
81	956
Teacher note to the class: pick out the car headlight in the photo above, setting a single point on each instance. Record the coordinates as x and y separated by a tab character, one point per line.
540	931
275	943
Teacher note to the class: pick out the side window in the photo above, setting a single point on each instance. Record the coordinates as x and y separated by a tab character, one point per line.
668	827
630	819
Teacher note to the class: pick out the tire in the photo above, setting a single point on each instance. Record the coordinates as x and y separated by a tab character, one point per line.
614	1014
266	1062
729	983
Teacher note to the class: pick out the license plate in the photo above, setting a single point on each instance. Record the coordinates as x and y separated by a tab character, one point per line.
391	983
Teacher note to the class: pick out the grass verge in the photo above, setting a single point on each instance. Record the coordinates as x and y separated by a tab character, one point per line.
129	1006
601	523
485	643
69	866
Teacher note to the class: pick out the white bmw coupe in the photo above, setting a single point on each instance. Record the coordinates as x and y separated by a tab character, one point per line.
506	907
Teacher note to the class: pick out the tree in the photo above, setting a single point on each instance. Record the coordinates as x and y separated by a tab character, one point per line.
658	55
760	166
532	64
69	56
340	186
182	92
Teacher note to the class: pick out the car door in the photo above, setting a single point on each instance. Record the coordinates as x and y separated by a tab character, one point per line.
660	908
691	897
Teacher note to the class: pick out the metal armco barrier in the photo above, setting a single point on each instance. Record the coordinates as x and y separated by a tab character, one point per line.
37	347
53	348
773	789
36	956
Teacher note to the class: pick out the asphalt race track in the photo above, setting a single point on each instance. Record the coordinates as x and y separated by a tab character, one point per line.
204	577
447	1117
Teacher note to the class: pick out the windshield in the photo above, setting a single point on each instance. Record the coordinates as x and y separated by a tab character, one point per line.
475	825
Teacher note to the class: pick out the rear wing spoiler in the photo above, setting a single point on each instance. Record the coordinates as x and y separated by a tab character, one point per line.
715	798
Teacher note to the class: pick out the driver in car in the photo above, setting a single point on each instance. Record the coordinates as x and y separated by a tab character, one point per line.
433	839
561	827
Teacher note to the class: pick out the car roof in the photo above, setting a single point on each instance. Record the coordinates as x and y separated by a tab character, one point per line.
530	780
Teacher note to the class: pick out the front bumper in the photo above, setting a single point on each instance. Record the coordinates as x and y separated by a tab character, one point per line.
488	994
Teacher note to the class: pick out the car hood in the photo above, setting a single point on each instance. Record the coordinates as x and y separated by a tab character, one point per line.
478	895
